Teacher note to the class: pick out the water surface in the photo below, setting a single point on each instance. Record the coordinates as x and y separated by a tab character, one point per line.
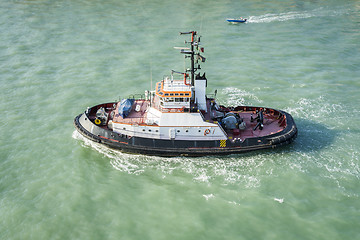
59	57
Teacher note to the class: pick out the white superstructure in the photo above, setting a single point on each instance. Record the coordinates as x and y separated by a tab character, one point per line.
175	109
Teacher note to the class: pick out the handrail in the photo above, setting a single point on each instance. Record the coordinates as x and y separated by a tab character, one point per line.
134	96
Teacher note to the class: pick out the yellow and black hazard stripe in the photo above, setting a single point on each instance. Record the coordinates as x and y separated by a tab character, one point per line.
222	143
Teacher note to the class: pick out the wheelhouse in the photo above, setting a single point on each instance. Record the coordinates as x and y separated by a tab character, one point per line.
173	93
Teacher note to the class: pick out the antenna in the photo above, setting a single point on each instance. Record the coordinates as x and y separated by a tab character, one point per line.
202	17
151	75
150	78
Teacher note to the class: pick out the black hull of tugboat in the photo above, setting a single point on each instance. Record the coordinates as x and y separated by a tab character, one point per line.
172	148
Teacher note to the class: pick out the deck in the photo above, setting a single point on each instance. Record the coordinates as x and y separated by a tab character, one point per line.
136	116
274	121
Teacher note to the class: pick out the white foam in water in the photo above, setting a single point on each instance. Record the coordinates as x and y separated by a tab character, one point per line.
208	196
230	170
202	177
120	161
280	17
236	97
279	200
316	109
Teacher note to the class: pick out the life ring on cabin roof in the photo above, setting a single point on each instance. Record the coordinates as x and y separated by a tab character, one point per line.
206	132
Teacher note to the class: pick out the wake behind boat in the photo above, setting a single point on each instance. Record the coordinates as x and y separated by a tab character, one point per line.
178	118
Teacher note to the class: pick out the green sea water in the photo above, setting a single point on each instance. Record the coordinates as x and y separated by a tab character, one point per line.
59	57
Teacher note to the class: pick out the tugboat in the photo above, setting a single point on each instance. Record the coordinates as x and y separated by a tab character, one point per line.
179	119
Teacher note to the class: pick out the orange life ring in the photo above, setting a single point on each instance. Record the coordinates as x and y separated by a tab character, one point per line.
206	132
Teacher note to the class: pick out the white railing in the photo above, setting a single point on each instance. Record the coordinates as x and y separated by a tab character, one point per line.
175	85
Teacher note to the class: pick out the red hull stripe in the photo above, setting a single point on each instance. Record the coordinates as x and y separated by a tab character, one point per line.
112	140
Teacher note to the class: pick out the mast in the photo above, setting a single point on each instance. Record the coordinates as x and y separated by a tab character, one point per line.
191	52
192	74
